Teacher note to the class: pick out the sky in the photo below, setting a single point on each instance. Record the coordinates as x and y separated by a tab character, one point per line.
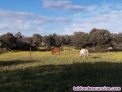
63	17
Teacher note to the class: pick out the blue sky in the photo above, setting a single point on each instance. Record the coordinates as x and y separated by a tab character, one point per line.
63	17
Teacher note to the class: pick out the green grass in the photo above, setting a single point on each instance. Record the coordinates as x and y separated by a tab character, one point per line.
58	73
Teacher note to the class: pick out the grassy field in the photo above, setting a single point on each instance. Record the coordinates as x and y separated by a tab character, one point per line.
58	73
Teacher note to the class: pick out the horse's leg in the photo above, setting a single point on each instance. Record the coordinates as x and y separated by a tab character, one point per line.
81	55
59	51
86	56
52	52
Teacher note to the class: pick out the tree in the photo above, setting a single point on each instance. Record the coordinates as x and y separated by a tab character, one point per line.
49	41
36	39
100	38
8	40
80	40
18	35
22	42
117	40
57	40
19	40
67	40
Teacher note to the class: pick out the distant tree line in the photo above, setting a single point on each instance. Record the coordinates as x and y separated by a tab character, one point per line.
96	39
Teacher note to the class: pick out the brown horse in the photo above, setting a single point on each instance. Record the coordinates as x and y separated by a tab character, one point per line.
54	50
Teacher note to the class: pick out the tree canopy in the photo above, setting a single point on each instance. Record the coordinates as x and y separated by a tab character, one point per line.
97	38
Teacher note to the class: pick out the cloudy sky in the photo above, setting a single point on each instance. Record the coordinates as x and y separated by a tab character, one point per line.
63	17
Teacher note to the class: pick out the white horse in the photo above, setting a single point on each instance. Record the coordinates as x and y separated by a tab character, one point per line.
84	53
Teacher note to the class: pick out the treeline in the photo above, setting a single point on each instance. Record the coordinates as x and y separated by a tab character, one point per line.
96	39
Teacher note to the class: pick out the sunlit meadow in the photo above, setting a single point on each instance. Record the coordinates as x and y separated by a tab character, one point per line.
44	72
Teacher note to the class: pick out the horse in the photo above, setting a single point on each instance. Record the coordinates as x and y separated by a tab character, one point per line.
54	50
84	53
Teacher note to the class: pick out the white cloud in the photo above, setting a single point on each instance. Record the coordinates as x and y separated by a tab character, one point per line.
14	14
62	19
14	21
96	17
43	28
105	16
62	5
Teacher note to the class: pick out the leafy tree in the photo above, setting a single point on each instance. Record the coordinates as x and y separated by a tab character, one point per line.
36	39
49	41
22	42
8	40
18	35
117	40
100	38
19	40
80	39
67	40
58	40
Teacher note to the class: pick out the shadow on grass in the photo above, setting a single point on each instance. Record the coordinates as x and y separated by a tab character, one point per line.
62	78
2	51
95	57
14	62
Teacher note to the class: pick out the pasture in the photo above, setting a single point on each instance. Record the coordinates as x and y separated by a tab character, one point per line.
45	72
